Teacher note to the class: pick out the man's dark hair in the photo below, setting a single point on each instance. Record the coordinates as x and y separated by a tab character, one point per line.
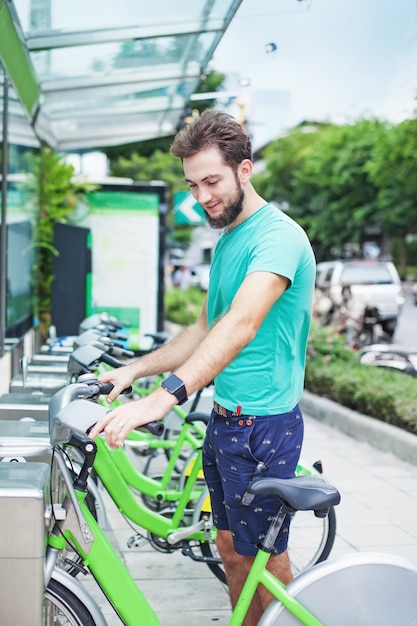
214	129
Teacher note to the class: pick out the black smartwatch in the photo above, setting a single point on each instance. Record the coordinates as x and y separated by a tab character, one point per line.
176	386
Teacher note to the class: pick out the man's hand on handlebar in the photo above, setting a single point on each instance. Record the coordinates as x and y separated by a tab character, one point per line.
121	379
117	424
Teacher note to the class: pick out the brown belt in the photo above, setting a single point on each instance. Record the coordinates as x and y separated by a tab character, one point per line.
220	410
243	420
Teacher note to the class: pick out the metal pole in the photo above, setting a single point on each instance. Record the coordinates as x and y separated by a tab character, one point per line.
3	225
163	207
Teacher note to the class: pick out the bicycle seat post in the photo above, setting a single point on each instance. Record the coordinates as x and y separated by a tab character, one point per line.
268	543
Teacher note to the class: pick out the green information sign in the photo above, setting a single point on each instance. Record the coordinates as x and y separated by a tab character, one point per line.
125	256
187	210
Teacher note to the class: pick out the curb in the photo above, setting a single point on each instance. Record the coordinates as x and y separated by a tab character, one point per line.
380	435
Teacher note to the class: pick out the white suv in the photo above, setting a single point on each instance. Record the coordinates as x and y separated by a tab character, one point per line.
373	283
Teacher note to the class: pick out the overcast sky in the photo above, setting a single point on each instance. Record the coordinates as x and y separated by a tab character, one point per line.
334	59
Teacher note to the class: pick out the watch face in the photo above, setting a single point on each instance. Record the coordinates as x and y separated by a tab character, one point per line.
175	385
172	384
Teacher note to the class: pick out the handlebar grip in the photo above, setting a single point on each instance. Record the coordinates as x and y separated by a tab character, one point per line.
120	351
106	358
155	428
105	388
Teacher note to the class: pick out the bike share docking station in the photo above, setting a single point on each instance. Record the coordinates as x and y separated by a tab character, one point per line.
24	499
27	485
16	406
28	441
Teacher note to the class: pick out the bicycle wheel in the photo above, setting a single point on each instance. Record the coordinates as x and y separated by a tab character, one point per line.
311	539
61	606
359	588
209	550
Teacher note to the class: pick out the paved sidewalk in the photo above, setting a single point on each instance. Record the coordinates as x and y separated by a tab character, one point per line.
378	513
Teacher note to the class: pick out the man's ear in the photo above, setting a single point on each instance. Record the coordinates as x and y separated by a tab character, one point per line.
245	170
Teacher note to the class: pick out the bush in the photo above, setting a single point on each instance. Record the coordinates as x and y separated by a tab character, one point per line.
183	307
333	371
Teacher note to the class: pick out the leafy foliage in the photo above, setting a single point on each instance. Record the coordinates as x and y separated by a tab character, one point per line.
392	170
346	183
54	195
334	371
184	307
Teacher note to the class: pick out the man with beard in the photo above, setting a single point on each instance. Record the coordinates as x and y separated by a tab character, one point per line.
250	339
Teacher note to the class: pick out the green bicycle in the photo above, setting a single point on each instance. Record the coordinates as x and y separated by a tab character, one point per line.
184	499
185	526
360	588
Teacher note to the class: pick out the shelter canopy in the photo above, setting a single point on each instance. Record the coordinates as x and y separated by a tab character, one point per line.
95	73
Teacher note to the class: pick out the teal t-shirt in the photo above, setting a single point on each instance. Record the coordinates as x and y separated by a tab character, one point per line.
267	377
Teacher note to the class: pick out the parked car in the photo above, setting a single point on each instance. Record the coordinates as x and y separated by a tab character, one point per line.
372	284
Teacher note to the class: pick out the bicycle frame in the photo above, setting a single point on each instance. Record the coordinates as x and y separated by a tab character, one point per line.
194	439
82	531
150	442
260	575
118	488
158	489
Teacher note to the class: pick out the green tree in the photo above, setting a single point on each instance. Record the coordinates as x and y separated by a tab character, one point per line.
160	165
343	205
393	170
284	159
321	171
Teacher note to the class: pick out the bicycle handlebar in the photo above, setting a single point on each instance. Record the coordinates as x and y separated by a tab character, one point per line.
107	358
120	351
68	416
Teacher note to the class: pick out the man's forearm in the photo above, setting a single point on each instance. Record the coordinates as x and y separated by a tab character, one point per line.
224	342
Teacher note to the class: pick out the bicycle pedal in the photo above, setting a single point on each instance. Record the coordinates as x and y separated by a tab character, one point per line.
134	542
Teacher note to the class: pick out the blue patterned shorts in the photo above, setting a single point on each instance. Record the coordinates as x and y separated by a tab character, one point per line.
233	447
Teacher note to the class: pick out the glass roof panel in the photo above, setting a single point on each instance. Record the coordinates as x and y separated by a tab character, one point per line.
132	64
77	15
119	58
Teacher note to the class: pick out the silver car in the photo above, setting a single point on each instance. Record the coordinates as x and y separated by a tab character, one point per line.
372	284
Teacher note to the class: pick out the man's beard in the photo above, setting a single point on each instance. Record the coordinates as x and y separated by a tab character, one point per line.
230	212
